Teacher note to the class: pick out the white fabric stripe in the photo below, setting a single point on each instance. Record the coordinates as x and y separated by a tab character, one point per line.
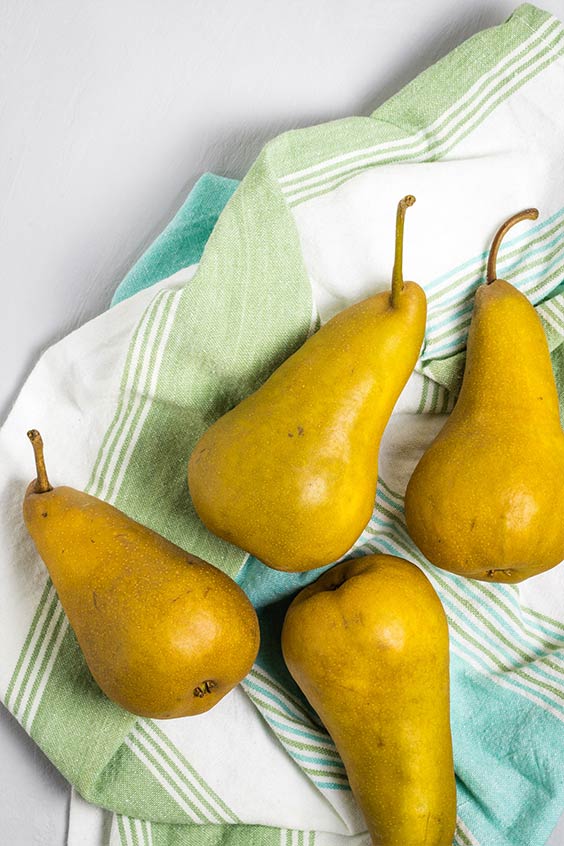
464	101
321	745
466	832
140	832
126	822
265	679
538	637
450	138
32	643
128	388
28	684
132	437
553	314
219	811
457	295
139	398
46	674
453	338
502	682
180	801
297	720
493	669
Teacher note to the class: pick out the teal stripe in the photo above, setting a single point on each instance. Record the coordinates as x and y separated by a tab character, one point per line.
456	336
285	709
291	729
457	618
471	589
332	785
268	680
310	759
533	234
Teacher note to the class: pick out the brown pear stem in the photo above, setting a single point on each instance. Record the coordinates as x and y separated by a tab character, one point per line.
397	273
526	214
42	484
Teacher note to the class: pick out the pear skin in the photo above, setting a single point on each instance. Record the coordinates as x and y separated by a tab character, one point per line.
485	499
164	633
290	474
367	643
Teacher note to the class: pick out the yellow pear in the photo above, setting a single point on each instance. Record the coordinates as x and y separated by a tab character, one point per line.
367	643
164	633
290	473
485	499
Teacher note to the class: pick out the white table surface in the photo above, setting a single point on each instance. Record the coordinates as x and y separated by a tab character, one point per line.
109	112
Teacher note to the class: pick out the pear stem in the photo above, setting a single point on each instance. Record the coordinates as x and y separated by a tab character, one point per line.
526	214
42	484
397	273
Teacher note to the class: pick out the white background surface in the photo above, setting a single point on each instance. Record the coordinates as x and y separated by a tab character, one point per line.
109	112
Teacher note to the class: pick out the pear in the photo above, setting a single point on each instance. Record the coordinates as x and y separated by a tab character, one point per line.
290	473
485	499
164	633
367	643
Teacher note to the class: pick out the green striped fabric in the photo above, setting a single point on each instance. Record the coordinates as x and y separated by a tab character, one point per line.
196	350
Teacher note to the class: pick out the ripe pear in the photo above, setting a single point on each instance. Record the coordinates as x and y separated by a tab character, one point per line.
367	643
290	473
164	633
485	499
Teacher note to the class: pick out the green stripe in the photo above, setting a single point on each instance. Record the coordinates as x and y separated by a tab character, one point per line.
27	644
504	86
150	312
257	696
336	774
463	837
53	607
42	668
123	386
183	786
536	236
132	422
544	617
554	310
443	152
309	747
469	590
167	744
166	777
274	710
457	333
424	391
425	100
133	831
463	319
280	690
434	398
121	830
483	647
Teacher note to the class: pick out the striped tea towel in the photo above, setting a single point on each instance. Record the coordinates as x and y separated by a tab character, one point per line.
122	401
